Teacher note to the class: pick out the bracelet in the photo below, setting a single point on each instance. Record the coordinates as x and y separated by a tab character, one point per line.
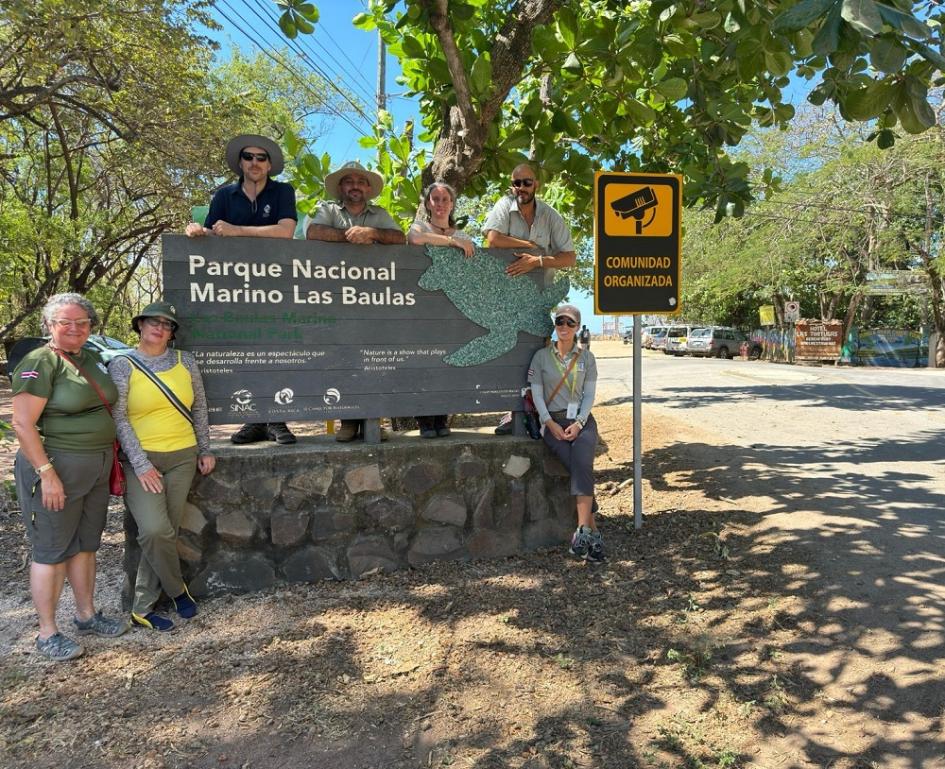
44	468
541	261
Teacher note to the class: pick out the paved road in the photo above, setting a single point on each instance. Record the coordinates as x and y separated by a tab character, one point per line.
847	468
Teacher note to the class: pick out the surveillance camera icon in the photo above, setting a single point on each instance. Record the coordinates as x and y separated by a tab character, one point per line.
635	205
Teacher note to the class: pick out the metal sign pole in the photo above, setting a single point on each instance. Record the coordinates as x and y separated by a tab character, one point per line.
637	425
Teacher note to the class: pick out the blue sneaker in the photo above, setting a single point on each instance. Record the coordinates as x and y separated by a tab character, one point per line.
595	548
185	605
580	542
153	621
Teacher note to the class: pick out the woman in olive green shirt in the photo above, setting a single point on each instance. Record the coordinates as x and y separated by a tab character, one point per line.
65	433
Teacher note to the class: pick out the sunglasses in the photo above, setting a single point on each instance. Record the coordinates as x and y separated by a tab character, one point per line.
82	323
159	323
262	157
563	321
523	182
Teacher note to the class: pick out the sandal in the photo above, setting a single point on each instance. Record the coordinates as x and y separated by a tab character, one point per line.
59	647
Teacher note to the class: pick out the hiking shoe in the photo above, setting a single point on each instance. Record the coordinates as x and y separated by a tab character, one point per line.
280	433
595	548
250	433
580	542
348	432
185	605
59	647
101	625
428	433
153	621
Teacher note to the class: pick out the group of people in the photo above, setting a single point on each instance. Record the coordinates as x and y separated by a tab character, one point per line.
68	408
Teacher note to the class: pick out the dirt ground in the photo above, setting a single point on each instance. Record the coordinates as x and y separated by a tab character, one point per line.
709	639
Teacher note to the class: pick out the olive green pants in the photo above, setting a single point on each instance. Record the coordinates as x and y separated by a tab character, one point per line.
158	517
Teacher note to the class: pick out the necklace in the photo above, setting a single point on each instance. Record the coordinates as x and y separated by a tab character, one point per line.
440	230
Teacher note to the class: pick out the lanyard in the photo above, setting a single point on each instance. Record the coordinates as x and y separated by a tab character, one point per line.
564	372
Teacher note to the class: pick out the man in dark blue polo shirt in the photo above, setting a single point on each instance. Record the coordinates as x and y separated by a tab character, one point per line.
255	206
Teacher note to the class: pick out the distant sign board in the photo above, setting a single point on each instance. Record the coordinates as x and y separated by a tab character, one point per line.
637	243
896	282
766	314
294	330
818	340
792	311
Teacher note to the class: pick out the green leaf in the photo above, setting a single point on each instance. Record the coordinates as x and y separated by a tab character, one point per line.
287	25
673	88
707	19
412	47
304	26
828	37
640	112
885	139
801	15
912	107
462	11
870	102
308	11
905	22
567	27
573	64
863	16
667	13
481	75
886	55
779	64
364	21
803	41
930	54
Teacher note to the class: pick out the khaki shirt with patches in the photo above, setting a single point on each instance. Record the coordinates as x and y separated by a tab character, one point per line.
333	214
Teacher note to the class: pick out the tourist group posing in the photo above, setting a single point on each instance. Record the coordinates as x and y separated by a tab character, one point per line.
68	408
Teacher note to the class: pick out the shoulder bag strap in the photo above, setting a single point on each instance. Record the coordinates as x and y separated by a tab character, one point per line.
563	376
168	393
88	379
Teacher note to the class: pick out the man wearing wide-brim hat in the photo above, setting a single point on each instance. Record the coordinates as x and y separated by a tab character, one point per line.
349	217
255	206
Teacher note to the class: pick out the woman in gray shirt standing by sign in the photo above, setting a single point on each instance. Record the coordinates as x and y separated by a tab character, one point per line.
563	378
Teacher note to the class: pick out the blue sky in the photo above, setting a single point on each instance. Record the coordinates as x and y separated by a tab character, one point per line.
348	56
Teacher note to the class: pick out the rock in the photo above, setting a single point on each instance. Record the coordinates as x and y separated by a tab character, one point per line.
188	552
536	499
288	528
215	493
446	508
328	523
547	532
303	487
436	543
391	513
509	516
236	528
371	553
553	467
264	490
311	564
234	572
364	478
516	466
483	512
468	466
193	520
487	543
420	478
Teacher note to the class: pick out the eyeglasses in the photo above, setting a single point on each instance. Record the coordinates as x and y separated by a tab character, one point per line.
523	182
82	323
262	157
159	323
563	321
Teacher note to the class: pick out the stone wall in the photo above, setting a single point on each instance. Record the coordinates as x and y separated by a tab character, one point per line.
323	510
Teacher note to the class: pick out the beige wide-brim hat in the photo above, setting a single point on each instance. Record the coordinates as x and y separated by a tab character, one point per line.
237	144
333	180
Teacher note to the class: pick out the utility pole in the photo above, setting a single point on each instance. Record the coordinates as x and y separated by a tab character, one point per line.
381	74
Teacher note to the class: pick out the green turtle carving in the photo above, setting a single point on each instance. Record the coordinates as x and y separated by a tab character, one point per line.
479	288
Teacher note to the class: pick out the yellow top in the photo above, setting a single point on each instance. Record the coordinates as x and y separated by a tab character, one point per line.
158	425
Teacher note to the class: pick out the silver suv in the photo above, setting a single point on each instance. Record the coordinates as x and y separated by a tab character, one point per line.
715	342
677	339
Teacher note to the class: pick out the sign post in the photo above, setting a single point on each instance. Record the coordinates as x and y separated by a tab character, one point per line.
637	247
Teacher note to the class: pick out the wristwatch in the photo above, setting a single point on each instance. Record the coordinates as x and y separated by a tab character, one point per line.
44	468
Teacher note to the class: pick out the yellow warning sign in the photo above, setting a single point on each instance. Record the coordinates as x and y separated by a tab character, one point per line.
645	210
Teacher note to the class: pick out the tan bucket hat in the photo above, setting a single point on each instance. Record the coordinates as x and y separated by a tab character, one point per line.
238	143
333	180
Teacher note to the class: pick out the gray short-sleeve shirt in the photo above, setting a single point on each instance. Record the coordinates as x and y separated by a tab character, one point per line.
333	214
549	231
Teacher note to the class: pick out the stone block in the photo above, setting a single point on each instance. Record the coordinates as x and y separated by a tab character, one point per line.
372	552
311	564
193	520
236	528
552	466
216	493
436	543
536	500
420	478
329	523
288	528
188	551
547	532
469	467
364	478
516	466
483	513
446	508
263	490
487	543
302	488
234	572
391	513
509	516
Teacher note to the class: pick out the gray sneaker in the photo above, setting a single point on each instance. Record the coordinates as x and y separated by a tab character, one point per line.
595	548
580	542
101	625
59	647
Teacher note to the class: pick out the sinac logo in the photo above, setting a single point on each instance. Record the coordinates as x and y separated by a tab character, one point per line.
285	396
331	396
242	401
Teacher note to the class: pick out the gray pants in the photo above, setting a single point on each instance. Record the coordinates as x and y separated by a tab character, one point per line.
158	517
576	455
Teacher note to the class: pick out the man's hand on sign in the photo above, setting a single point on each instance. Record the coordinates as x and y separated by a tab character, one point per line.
524	263
194	230
363	235
225	229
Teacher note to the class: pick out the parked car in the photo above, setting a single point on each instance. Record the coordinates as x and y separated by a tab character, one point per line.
105	346
715	342
655	338
628	336
751	349
677	338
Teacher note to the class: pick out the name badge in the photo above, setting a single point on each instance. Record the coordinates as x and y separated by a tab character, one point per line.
572	410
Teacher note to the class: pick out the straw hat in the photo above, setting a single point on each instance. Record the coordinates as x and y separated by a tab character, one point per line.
333	180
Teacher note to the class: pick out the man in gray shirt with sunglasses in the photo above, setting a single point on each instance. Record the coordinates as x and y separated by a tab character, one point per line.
519	220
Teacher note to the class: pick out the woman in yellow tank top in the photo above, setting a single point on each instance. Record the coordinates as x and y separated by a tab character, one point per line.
161	419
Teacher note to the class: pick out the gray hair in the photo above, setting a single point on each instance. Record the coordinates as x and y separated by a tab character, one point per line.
449	191
58	301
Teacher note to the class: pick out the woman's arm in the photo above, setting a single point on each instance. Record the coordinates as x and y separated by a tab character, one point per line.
120	371
198	411
27	410
418	237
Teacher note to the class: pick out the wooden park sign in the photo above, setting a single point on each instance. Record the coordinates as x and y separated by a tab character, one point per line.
818	339
298	330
